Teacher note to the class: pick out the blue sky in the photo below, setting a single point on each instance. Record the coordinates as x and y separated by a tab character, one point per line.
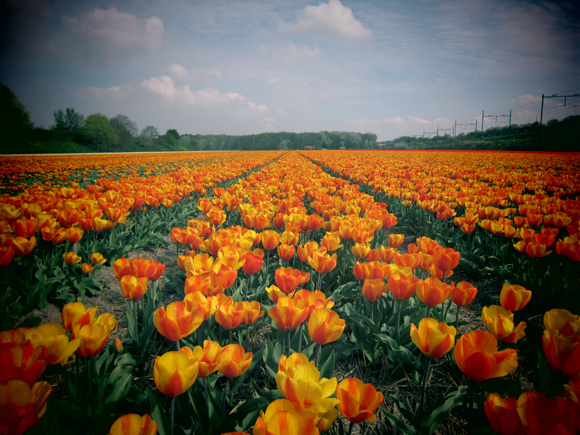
393	68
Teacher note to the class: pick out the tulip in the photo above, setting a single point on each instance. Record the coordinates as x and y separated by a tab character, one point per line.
325	326
234	360
75	313
514	297
396	240
331	241
74	234
373	289
22	405
401	286
500	322
562	320
572	397
307	250
23	246
53	337
288	279
6	255
477	356
134	424
463	294
71	258
299	381
230	314
361	250
22	361
132	287
174	373
179	320
207	357
270	239
143	268
358	401
122	267
118	345
253	263
434	339
502	414
286	252
432	291
540	415
311	300
562	351
25	228
208	284
253	312
274	293
286	315
282	417
93	337
446	259
87	268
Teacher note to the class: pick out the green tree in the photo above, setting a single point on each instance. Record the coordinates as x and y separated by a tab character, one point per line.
68	120
150	131
125	129
15	124
98	130
173	132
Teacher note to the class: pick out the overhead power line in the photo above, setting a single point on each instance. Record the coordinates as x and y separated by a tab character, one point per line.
565	97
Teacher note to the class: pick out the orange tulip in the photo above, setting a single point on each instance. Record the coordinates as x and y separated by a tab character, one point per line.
500	322
514	297
97	258
71	258
299	381
22	361
22	405
562	351
361	250
253	263
373	289
402	286
132	287
502	414
331	241
434	339
207	357
230	314
286	315
288	279
282	417
23	246
174	373
179	320
358	401
74	234
93	336
25	228
562	320
322	263
133	424
75	313
325	326
477	356
446	259
311	301
270	239
253	312
286	252
274	293
396	240
235	361
432	291
6	255
53	337
122	267
463	293
143	268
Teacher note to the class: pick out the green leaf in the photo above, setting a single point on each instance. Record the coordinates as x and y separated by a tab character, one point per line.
119	383
441	413
327	367
157	413
405	428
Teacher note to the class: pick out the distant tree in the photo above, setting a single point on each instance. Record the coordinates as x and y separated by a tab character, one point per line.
150	131
68	120
125	130
15	122
173	132
98	130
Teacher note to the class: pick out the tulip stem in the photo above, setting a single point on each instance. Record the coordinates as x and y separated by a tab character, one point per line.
398	318
226	395
172	414
425	380
300	338
317	359
177	347
428	312
457	317
350	427
319	283
206	392
446	311
248	287
289	345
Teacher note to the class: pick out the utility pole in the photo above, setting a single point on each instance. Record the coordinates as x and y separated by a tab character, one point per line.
555	96
496	116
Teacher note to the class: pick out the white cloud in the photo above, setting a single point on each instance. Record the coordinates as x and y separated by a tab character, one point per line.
195	75
417	120
527	99
204	98
331	18
111	33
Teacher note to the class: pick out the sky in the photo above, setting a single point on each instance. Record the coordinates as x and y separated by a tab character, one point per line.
393	68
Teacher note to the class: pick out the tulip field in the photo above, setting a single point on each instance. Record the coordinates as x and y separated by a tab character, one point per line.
359	292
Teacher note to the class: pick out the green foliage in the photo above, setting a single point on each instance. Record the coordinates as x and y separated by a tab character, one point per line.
15	122
68	120
98	130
